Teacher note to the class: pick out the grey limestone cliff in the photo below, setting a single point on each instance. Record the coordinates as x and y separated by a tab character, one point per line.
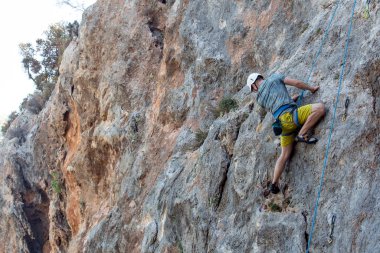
131	153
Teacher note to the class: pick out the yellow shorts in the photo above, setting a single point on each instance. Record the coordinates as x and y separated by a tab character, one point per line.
289	126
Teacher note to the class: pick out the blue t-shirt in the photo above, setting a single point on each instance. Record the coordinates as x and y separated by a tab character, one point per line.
272	94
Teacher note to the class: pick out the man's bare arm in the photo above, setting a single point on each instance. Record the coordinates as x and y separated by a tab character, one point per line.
300	85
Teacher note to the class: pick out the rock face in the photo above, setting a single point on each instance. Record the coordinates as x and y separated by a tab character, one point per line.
132	154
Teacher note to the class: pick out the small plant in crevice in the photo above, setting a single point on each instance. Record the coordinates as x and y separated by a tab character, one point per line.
200	137
273	207
319	31
82	205
55	184
226	105
213	201
180	247
304	28
245	116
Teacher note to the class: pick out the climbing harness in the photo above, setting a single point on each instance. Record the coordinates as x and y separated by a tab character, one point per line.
299	101
330	240
331	128
277	127
295	118
345	109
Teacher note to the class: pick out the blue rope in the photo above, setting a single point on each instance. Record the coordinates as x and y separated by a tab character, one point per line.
331	129
299	101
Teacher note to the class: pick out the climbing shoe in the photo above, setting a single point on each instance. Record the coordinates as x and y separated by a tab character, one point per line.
274	188
306	139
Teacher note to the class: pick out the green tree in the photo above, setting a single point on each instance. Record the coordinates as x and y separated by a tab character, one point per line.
41	61
11	118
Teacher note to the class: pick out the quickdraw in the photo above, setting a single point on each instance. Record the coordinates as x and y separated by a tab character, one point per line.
366	10
345	109
330	240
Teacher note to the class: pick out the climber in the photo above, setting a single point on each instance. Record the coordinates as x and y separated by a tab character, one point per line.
273	96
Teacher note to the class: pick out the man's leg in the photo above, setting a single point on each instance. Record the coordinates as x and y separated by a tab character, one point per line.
287	144
281	161
317	112
308	118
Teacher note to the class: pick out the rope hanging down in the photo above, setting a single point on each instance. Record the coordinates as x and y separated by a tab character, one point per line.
327	30
331	128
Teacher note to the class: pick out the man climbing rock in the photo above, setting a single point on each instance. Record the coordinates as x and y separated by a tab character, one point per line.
274	97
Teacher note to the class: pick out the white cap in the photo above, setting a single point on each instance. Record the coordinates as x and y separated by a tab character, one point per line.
252	78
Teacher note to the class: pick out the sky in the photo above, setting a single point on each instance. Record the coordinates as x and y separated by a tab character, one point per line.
23	21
